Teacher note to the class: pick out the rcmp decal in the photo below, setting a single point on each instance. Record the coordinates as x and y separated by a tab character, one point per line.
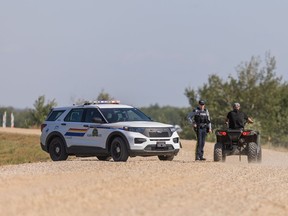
76	132
95	132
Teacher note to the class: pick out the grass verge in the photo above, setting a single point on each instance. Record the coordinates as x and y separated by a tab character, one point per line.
19	148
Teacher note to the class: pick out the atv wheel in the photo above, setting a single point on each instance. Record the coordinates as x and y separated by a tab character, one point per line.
223	157
252	152
119	150
259	155
218	153
166	157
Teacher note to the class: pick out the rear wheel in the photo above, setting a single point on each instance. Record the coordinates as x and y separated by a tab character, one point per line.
252	152
166	157
119	150
259	154
218	153
57	150
223	157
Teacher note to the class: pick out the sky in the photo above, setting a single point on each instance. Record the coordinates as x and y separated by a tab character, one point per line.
139	52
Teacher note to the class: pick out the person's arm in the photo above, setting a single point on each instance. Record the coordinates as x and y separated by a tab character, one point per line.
191	119
209	120
250	120
227	119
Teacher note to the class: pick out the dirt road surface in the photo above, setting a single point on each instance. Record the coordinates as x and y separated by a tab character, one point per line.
147	186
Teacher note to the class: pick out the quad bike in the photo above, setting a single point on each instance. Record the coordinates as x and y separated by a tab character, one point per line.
238	142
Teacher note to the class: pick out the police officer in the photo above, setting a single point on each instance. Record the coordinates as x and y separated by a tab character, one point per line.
237	119
200	119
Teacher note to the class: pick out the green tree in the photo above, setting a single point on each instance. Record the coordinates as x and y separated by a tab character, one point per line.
104	96
40	111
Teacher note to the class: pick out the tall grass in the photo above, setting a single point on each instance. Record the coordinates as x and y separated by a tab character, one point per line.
19	148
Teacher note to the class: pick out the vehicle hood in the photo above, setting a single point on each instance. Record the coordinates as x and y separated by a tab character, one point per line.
140	124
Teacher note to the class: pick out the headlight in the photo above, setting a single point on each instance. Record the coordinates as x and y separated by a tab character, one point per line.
176	128
135	129
173	129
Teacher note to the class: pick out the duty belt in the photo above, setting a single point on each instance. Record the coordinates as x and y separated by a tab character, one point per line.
201	126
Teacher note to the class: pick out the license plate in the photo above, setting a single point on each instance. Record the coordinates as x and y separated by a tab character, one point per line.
160	144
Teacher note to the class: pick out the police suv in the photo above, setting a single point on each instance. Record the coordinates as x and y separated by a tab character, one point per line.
106	129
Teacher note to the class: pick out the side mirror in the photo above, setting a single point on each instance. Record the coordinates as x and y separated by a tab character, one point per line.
97	120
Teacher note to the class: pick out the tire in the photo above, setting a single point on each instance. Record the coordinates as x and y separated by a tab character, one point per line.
223	157
259	155
57	150
104	158
259	150
166	157
218	153
252	152
119	150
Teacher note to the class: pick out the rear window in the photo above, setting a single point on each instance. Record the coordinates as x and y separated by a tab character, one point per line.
55	115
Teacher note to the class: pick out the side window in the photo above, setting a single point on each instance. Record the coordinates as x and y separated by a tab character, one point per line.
75	115
53	116
92	113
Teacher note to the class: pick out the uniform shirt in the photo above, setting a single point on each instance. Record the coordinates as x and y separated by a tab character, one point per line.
237	119
200	117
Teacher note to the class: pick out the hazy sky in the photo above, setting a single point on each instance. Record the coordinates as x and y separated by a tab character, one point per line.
141	52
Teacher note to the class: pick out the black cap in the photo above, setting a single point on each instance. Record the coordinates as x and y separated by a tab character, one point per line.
201	102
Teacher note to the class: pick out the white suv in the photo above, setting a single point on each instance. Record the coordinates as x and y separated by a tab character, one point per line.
106	129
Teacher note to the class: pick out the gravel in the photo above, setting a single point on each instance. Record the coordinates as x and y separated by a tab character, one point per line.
148	186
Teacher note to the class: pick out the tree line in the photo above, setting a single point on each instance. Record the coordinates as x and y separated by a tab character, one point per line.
262	94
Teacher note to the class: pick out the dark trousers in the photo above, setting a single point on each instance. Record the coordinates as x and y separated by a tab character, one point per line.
201	136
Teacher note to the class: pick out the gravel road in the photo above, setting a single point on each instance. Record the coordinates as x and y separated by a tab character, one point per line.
147	186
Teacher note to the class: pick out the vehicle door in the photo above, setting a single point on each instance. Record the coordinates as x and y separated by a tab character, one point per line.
72	127
95	135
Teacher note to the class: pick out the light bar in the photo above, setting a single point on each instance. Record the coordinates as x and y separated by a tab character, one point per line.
102	102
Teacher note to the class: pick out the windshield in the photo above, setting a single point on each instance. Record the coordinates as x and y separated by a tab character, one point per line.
123	114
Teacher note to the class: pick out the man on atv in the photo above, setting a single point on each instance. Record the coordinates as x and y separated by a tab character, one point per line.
237	119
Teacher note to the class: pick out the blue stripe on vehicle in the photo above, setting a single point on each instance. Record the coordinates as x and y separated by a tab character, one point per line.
102	127
74	134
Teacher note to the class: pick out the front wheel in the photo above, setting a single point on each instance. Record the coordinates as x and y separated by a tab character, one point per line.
119	150
166	157
57	150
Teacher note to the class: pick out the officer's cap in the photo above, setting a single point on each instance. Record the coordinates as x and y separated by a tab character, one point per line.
201	102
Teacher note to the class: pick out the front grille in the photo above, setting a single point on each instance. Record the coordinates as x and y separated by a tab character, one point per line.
155	134
158	132
157	140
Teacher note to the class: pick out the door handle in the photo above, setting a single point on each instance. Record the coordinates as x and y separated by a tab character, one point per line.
86	125
63	124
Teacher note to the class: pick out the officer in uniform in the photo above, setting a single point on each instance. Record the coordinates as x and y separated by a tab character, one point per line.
200	119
